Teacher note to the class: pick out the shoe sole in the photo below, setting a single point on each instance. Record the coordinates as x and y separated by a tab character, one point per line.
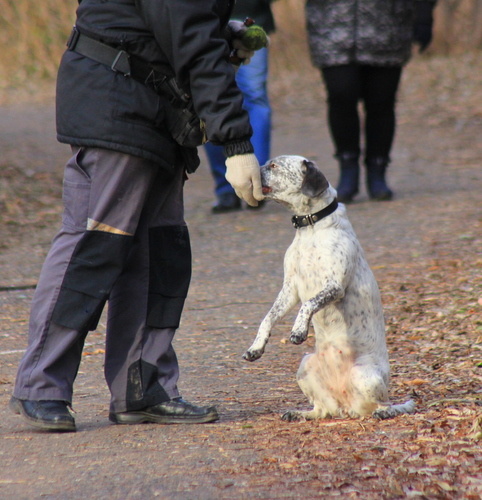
17	408
384	197
132	418
226	210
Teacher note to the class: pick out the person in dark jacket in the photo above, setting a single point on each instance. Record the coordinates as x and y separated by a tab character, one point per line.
361	47
252	79
134	70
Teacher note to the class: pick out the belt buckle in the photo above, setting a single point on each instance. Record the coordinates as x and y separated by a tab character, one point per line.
73	38
121	60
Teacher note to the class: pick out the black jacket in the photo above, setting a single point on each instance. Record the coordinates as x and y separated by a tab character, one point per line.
98	107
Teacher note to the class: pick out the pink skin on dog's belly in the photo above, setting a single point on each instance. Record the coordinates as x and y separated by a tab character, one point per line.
335	366
266	190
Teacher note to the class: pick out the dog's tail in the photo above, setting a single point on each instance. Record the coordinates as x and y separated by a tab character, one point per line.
391	411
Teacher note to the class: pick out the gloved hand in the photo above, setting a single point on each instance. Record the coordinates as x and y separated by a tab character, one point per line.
422	28
242	172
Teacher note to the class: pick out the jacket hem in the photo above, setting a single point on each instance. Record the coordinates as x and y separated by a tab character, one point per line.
97	143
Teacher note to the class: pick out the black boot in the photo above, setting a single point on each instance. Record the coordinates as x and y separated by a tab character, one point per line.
227	202
376	183
349	175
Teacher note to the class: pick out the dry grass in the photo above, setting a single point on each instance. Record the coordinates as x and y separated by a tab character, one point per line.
33	35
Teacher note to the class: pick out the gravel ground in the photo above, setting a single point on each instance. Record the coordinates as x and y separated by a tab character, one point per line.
434	222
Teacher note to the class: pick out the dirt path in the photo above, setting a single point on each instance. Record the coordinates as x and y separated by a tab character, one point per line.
426	250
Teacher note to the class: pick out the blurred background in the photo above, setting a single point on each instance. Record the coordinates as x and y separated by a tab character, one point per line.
33	34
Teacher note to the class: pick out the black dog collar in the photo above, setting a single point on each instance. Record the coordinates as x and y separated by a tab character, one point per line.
310	219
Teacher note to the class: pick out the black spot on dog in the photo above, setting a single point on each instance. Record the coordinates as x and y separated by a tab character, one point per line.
314	182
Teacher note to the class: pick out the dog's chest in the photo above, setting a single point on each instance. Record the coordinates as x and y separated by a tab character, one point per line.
313	250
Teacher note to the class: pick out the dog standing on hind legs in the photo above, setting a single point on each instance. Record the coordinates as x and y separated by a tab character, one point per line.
325	268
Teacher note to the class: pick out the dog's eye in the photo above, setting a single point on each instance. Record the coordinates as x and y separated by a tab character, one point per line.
272	165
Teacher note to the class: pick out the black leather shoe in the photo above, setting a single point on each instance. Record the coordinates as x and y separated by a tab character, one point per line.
227	202
176	411
46	415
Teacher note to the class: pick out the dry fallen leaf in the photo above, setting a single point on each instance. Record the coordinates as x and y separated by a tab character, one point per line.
416	381
476	430
90	353
445	486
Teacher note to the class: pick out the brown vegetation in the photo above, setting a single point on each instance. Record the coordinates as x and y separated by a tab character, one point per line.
33	35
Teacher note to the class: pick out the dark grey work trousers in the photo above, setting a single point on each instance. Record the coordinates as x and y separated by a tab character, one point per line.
123	239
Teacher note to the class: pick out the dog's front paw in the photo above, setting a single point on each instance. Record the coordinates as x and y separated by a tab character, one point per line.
253	354
291	416
298	337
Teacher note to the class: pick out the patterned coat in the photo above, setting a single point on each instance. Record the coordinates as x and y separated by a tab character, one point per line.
374	32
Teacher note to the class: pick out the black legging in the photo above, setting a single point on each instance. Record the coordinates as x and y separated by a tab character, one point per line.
377	87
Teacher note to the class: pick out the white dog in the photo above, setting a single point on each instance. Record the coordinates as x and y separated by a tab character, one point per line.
325	268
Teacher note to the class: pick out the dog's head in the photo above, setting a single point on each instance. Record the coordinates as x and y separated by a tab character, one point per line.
296	183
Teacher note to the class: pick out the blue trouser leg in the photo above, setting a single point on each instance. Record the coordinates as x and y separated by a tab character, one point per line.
218	170
252	80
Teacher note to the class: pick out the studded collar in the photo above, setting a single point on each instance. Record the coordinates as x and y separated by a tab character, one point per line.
310	219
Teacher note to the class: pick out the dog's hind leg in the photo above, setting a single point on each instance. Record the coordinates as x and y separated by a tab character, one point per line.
330	293
286	300
312	382
371	394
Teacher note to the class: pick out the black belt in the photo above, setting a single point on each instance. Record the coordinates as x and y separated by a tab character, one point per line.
117	60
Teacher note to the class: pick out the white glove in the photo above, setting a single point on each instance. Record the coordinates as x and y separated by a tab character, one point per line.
242	172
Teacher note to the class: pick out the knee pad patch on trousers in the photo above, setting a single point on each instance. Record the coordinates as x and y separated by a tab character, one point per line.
170	275
94	267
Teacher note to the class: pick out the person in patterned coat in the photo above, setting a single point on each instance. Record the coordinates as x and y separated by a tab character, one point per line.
361	47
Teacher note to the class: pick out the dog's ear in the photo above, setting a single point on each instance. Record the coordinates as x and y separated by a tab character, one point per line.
314	183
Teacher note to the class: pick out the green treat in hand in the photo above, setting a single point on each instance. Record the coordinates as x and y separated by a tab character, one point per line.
255	38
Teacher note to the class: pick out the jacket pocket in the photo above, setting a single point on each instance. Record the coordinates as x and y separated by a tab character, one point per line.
136	104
